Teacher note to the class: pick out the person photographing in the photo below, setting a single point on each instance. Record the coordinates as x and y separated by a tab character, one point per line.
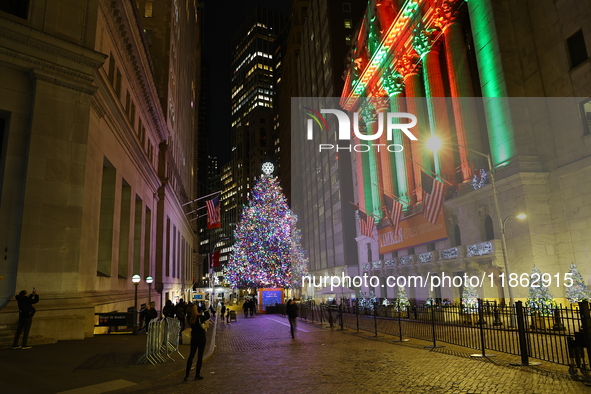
26	311
196	319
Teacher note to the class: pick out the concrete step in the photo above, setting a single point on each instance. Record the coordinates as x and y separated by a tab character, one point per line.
7	336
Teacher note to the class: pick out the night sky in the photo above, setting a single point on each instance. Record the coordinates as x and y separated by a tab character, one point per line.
221	20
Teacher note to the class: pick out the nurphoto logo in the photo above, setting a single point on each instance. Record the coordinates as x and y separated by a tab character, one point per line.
392	120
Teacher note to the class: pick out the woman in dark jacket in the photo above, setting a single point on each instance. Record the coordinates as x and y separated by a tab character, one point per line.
195	319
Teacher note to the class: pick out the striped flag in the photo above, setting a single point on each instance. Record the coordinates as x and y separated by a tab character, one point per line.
432	197
213	213
393	211
366	223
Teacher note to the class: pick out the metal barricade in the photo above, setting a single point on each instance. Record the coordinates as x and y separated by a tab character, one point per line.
162	341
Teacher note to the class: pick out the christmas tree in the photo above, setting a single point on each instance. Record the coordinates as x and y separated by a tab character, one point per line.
469	299
402	302
267	250
539	299
578	291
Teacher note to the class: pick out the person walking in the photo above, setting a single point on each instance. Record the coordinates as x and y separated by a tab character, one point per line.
168	310
198	339
245	308
228	315
291	310
223	312
26	311
180	315
147	315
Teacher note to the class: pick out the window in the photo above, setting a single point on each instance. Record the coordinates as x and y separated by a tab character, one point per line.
346	7
348	23
489	231
19	8
577	50
585	108
348	40
148	9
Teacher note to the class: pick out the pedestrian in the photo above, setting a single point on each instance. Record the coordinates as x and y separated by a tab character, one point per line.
147	315
26	311
198	339
245	308
168	310
291	310
180	315
251	306
223	311
228	315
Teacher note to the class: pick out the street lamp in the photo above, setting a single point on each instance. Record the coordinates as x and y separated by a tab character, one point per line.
135	279
434	143
149	281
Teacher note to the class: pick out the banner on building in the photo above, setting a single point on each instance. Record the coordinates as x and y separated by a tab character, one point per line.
412	231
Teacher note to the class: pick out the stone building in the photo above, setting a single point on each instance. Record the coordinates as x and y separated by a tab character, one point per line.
97	113
527	63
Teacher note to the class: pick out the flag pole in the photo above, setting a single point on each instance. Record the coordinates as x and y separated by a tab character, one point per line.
201	198
364	211
431	173
391	195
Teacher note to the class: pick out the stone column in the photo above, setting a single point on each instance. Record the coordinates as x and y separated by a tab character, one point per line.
428	46
462	91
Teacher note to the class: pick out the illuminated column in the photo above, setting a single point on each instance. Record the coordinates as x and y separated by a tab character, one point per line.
393	84
462	91
501	134
382	106
370	167
409	67
428	49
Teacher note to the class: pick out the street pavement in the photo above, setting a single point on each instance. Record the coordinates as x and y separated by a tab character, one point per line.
258	355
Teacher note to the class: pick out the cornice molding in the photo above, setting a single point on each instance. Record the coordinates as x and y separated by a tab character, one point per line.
40	41
39	75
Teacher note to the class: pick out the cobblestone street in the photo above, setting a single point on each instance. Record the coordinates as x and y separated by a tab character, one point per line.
257	355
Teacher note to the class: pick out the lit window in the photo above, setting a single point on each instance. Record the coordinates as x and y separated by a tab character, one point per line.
348	23
148	9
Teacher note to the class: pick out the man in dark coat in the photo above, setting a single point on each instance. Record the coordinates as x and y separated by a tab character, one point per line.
291	310
148	314
26	311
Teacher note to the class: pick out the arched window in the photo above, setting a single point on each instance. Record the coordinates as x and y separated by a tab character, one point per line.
457	236
489	231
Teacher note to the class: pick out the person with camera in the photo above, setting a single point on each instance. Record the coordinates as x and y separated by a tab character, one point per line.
26	311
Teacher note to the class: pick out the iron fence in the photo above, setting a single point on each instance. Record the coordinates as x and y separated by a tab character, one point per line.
557	334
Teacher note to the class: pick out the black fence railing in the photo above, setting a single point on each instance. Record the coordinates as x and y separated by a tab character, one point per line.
558	334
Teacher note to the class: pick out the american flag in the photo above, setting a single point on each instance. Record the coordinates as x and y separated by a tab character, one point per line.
213	213
432	197
366	223
393	211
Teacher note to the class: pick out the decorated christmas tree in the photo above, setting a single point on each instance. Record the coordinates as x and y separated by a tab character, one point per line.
539	299
578	291
402	302
267	250
469	299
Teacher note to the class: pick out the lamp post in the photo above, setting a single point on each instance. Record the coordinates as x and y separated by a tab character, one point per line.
211	278
135	279
434	143
149	281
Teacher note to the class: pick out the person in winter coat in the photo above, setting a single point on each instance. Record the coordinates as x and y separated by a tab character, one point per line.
291	310
26	311
168	310
198	340
148	314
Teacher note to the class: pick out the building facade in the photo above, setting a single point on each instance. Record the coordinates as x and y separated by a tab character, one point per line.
409	56
95	166
319	196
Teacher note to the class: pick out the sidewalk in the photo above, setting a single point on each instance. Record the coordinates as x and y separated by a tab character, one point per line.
257	355
94	365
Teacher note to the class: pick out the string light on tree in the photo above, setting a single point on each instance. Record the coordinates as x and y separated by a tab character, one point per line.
267	251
